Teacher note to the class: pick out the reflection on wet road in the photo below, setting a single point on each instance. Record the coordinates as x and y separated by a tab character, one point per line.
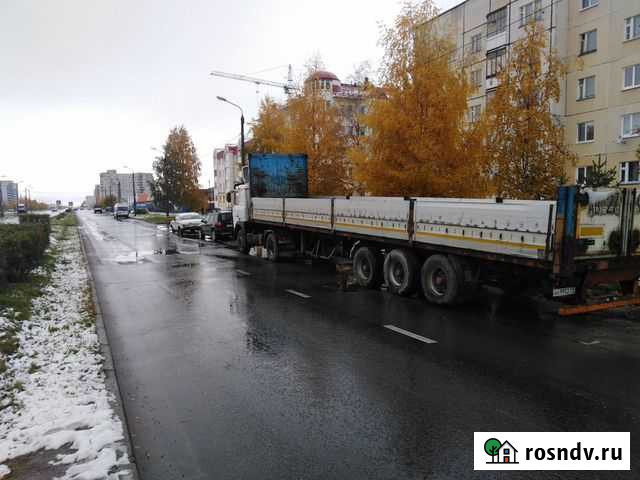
227	373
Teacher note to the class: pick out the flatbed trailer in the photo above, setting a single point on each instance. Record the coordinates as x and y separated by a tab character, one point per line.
447	247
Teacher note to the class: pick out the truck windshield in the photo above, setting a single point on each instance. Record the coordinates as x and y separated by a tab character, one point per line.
123	209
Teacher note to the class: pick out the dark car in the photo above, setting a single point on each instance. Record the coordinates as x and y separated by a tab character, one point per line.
217	225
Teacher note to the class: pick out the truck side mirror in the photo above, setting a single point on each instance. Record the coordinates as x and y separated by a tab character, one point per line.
228	197
245	174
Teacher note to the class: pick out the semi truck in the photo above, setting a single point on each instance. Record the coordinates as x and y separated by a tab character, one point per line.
447	247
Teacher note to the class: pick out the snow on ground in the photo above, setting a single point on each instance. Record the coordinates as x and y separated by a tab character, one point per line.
63	400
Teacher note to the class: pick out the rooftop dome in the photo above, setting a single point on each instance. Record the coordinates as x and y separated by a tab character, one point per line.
322	75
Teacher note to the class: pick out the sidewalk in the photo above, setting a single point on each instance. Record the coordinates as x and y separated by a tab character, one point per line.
58	416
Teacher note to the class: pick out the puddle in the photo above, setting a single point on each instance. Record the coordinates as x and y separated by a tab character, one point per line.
184	265
165	251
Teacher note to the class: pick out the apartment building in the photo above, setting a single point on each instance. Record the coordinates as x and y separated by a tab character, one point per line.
227	167
349	98
121	185
8	192
600	41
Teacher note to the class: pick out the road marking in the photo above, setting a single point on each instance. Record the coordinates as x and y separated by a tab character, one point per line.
594	342
242	272
410	334
299	294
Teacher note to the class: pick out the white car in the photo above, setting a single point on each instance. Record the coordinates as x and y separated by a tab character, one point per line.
185	223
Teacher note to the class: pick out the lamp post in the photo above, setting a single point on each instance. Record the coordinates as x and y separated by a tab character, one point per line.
1	195
133	184
222	99
27	194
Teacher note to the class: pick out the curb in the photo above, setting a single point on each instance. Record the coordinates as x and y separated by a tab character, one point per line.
111	377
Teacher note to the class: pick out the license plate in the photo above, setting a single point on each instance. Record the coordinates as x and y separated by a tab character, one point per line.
564	291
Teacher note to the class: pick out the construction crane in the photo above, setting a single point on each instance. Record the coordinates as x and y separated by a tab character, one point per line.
287	87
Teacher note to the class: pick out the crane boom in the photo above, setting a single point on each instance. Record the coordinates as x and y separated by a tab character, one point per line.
287	87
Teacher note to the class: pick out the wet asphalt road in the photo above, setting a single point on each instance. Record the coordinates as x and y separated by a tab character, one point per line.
227	375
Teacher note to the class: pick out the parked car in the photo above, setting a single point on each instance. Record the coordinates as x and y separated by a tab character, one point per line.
217	225
97	209
141	211
21	208
120	210
186	223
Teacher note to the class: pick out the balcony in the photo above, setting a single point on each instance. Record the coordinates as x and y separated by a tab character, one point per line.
496	41
492	82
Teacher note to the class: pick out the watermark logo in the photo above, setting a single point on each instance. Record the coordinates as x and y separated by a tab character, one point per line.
551	451
500	452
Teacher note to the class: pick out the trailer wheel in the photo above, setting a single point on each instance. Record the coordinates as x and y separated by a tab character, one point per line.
241	237
401	272
271	244
367	267
440	280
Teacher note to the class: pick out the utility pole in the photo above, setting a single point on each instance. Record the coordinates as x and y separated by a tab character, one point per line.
1	201
133	184
118	191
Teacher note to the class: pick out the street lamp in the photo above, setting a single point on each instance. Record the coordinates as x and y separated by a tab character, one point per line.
2	199
27	194
222	99
133	184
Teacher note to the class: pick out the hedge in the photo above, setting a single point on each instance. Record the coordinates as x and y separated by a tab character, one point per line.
22	248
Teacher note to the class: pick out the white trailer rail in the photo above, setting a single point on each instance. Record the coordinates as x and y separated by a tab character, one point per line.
514	228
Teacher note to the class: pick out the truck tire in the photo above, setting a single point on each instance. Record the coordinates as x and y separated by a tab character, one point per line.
440	280
241	237
271	245
401	272
367	267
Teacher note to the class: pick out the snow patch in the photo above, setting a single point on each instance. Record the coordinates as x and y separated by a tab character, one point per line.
4	471
63	401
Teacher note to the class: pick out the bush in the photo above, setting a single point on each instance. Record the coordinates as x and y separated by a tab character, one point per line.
22	248
31	218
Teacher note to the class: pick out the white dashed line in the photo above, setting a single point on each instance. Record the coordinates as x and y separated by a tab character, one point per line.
242	272
299	294
410	334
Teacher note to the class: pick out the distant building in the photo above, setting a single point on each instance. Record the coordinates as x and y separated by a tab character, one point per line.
227	166
89	201
348	97
120	185
8	192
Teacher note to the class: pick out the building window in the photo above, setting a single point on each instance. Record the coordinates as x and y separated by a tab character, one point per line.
583	174
587	88
495	62
588	42
530	12
474	113
476	78
629	172
632	27
631	125
476	43
586	132
497	22
589	3
632	76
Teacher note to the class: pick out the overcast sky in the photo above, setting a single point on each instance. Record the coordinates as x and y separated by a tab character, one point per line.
88	85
